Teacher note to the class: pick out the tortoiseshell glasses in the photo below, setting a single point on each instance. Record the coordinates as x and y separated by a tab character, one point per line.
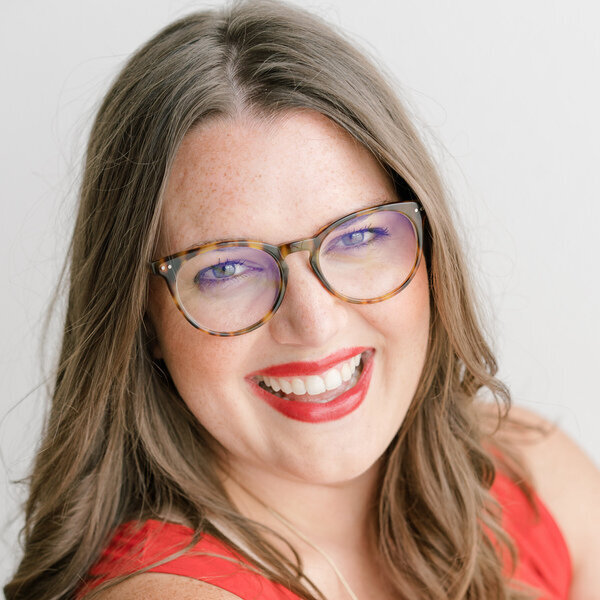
232	287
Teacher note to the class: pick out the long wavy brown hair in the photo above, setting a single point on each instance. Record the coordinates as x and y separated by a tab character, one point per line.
120	444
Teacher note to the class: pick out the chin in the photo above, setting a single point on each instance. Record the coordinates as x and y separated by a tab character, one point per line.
337	463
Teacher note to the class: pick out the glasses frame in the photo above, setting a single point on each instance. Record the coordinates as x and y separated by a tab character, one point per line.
168	267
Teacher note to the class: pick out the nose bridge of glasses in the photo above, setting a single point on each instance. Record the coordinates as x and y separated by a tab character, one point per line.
298	246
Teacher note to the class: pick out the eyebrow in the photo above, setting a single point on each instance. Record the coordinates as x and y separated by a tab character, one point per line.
378	202
214	241
355	220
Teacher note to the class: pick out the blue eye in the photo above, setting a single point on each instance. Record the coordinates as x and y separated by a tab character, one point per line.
224	272
357	239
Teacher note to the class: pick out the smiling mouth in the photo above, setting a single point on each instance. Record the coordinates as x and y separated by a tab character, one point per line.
317	389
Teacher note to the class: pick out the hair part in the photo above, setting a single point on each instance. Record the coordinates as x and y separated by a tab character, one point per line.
120	444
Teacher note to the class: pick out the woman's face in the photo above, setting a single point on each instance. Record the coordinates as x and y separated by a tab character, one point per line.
276	182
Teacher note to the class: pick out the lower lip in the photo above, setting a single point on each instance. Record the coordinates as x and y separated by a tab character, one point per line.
310	412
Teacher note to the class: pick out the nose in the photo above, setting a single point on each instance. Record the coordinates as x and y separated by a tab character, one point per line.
309	315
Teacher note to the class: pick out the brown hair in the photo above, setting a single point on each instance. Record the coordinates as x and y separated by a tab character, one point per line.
120	444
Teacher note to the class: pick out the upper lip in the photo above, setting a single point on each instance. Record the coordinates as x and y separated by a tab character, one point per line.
311	367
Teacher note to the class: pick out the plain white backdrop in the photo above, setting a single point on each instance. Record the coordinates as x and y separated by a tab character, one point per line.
507	95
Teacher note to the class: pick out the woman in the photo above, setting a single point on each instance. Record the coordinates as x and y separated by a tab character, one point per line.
230	420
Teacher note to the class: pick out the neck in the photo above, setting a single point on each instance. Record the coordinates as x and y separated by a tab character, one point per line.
329	514
329	525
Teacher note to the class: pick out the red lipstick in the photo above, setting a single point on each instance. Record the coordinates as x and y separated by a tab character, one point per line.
312	367
317	412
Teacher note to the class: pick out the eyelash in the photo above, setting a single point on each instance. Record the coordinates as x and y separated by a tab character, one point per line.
221	281
379	232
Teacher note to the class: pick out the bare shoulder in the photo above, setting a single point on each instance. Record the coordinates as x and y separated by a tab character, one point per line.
158	586
568	483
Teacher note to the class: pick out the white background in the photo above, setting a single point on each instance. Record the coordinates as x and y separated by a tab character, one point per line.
507	93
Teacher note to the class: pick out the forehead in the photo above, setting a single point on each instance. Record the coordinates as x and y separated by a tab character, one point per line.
271	180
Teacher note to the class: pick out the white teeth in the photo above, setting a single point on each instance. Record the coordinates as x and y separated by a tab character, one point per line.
315	384
333	379
346	372
298	387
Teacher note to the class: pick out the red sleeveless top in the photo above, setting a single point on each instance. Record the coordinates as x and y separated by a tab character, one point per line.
543	558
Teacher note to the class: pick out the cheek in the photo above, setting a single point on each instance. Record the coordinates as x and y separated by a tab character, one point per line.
206	370
208	373
404	319
189	355
197	362
404	329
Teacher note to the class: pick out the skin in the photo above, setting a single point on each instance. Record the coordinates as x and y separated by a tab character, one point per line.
275	182
279	181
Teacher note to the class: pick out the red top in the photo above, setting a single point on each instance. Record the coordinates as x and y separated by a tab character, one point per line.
544	561
543	557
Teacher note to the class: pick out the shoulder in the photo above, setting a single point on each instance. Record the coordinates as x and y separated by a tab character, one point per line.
568	483
168	560
157	586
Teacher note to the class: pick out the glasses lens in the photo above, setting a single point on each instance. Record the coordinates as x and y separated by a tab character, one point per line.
229	288
369	256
